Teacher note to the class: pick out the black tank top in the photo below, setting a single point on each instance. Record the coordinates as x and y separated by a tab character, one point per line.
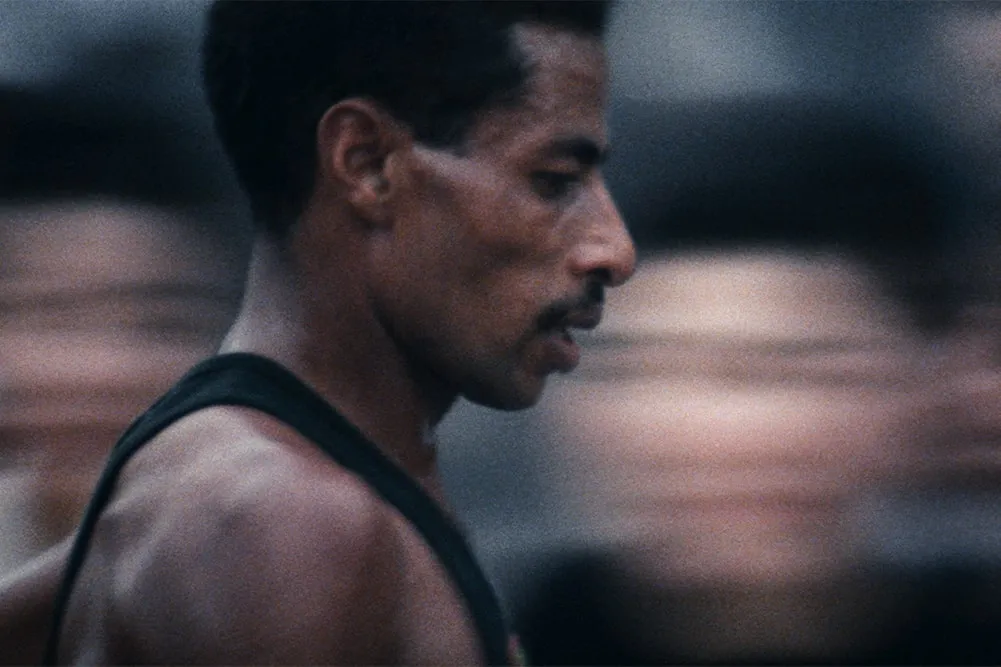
251	381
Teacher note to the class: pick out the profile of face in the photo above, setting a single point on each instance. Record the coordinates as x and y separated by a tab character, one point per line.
504	247
732	413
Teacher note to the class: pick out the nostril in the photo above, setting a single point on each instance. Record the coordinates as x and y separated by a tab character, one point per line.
596	288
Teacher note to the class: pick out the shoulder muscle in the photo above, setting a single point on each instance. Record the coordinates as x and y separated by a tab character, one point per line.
277	563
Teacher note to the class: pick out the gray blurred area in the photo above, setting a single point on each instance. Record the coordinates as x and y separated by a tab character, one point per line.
133	60
687	76
122	241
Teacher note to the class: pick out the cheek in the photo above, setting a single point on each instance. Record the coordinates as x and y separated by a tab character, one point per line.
487	212
489	258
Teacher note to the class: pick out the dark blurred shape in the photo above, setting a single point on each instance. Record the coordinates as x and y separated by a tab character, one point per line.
58	147
113	282
761	380
879	182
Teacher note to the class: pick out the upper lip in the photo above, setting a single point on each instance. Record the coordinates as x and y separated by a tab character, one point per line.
586	318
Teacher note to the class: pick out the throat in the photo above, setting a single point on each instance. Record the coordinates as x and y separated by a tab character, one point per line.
330	338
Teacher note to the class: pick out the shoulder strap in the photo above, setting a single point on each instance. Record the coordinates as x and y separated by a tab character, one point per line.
251	381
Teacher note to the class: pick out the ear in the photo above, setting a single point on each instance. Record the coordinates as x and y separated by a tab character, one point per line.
358	145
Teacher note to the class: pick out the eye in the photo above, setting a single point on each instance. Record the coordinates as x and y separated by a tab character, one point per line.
555	185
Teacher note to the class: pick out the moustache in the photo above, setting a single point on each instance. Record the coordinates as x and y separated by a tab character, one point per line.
557	313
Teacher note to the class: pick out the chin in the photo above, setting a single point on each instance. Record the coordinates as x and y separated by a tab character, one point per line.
509	397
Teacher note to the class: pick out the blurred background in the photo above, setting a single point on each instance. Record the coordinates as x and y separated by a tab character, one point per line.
783	445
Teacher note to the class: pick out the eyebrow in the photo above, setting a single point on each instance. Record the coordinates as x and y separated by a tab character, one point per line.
581	149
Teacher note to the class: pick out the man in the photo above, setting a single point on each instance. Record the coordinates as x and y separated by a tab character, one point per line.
432	223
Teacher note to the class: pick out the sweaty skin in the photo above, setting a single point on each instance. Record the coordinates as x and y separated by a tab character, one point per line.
231	540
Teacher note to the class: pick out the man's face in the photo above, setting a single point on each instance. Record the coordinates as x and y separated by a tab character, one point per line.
503	248
734	411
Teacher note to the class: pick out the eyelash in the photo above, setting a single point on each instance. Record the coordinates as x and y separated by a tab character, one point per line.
554	185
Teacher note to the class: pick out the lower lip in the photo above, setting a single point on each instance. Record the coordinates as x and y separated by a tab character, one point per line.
561	352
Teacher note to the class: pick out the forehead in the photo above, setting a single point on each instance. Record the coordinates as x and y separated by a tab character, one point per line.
564	97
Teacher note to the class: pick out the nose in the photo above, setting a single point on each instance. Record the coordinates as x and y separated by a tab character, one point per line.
607	249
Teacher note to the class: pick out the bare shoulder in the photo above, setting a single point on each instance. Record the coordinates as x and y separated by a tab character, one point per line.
235	541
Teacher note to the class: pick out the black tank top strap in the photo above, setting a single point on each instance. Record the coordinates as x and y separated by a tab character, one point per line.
252	381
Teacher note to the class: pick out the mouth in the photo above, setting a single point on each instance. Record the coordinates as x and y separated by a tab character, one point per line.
562	351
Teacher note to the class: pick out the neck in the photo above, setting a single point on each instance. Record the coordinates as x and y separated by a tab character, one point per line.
330	339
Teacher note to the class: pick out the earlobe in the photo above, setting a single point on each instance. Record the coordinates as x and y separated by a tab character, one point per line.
356	141
371	201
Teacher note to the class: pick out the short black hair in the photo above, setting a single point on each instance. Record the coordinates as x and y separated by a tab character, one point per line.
880	184
272	68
